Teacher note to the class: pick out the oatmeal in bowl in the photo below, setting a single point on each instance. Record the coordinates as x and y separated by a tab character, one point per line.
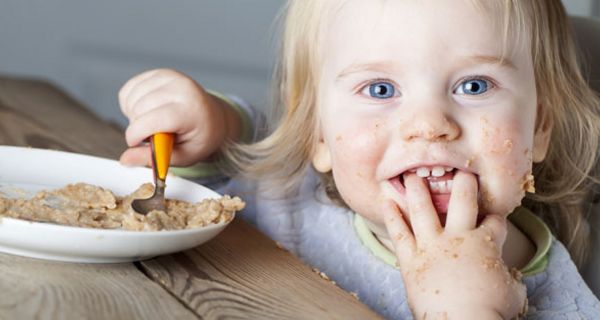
83	214
90	206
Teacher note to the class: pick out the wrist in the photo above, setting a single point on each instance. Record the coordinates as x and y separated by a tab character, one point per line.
236	121
436	305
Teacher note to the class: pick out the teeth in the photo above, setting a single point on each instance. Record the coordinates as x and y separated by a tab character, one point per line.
441	186
423	172
436	186
438	171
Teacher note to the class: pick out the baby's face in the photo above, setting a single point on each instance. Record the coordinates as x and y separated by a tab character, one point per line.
420	85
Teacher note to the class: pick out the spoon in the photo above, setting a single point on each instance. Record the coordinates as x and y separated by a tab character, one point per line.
161	145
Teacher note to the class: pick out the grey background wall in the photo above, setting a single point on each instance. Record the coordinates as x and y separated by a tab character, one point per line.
90	48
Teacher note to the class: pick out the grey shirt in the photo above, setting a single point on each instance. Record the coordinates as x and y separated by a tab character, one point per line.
323	236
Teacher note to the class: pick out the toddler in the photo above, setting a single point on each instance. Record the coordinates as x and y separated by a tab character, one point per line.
403	159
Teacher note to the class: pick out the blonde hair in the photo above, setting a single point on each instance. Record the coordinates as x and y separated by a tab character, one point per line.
563	180
282	157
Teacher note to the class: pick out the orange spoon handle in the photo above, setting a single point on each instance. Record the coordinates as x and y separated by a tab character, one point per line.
163	146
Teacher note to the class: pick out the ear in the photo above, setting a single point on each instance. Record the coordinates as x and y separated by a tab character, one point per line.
322	158
543	131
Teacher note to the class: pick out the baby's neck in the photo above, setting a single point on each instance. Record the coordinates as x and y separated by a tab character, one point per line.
518	249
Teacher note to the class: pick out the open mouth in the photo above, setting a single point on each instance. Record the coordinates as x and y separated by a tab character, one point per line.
439	180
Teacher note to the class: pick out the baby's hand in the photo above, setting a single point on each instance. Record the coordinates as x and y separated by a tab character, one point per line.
454	272
164	100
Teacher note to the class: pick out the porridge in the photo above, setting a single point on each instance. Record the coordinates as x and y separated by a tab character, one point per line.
89	206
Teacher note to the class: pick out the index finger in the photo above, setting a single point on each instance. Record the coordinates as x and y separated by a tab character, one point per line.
423	216
162	119
130	84
462	208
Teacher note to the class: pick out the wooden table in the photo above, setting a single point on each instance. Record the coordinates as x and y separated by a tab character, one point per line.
239	274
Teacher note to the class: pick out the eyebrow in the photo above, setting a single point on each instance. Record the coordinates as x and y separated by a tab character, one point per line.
379	66
386	66
501	61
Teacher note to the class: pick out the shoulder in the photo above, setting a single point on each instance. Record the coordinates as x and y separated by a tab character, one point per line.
560	290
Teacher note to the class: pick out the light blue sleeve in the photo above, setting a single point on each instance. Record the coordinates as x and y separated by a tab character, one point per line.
560	292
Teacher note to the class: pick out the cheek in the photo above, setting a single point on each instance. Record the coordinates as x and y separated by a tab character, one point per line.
356	154
505	164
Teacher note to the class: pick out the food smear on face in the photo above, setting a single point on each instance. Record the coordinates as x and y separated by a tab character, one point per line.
529	183
89	206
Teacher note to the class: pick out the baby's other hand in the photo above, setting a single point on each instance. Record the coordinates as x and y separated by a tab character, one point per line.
165	100
456	272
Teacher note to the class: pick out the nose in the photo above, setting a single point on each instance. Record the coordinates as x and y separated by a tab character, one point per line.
431	125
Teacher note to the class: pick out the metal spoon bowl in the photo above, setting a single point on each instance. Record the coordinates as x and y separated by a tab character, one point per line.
161	145
155	202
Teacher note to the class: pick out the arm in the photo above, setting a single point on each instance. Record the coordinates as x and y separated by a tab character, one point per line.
246	120
232	116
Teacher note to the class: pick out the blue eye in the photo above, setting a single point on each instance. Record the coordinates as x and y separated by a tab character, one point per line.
473	87
381	90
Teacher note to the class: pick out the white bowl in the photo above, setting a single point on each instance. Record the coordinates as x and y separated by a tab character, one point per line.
33	170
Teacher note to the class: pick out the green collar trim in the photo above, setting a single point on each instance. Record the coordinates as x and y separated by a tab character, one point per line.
539	233
369	240
522	218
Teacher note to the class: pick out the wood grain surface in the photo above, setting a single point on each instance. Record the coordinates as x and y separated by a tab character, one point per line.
39	115
239	274
38	289
257	280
